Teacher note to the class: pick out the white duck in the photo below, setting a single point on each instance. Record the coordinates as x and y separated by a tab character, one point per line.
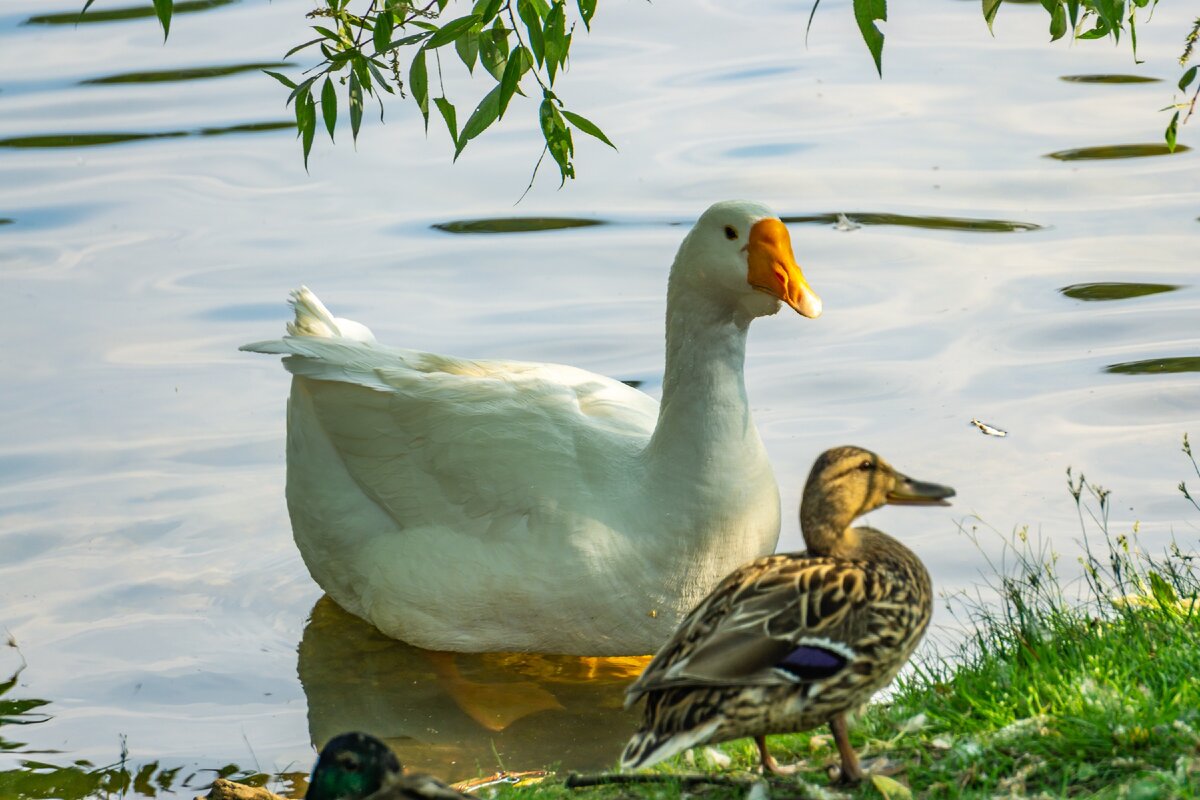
513	506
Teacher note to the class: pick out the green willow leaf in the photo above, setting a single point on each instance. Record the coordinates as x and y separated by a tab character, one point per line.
418	84
330	35
381	81
451	31
866	12
1110	12
467	46
1187	79
519	62
587	10
450	118
990	7
487	112
356	105
300	47
555	36
384	23
162	9
557	136
1073	13
1171	132
285	80
533	25
487	9
359	65
1058	22
493	50
407	40
587	126
329	106
302	87
308	127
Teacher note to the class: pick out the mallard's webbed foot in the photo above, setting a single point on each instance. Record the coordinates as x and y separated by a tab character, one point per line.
770	765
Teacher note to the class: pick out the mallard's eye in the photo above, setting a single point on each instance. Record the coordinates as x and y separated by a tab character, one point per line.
866	466
730	232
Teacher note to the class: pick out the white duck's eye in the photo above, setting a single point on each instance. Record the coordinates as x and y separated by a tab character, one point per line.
730	232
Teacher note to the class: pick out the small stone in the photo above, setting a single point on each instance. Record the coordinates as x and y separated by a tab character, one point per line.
717	757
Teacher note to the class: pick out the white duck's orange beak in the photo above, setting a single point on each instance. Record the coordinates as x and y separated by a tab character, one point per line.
773	268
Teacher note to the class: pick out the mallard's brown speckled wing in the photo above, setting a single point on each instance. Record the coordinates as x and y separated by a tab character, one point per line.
780	607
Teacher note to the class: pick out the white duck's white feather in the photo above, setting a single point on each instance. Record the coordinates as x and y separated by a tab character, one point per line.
504	506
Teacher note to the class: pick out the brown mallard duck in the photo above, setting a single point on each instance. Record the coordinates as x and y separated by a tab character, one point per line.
791	641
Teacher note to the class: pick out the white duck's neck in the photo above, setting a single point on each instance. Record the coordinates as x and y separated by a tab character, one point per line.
704	410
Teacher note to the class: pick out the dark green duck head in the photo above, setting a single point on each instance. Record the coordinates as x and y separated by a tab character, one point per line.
351	767
847	482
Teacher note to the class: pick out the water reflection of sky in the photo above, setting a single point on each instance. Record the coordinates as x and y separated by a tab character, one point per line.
146	566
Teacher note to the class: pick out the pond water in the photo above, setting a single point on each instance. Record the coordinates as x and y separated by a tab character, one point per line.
1017	249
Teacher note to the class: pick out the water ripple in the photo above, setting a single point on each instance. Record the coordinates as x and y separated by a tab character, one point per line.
919	221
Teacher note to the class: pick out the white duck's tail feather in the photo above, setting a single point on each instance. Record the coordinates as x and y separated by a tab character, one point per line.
313	319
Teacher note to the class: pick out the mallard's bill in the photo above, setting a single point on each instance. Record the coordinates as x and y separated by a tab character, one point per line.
908	492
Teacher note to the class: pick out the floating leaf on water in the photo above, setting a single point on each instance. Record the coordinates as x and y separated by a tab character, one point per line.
182	74
1115	290
118	14
988	429
6	221
98	139
516	224
1156	366
1110	79
917	221
1113	151
83	139
247	127
844	223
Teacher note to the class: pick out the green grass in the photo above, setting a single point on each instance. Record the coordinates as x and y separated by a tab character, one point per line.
1083	688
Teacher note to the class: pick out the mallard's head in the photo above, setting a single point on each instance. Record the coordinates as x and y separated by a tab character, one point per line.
847	482
352	766
741	252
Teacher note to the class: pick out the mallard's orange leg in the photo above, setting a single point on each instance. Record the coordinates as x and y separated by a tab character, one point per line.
851	772
768	761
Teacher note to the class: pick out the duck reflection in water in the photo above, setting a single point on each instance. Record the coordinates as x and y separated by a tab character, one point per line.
459	715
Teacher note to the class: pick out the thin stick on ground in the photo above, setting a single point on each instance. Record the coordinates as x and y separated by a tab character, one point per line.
576	781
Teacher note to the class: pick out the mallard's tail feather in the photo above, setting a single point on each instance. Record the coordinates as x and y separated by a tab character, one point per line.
648	747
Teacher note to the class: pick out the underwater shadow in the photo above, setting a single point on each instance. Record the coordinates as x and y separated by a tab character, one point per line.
460	715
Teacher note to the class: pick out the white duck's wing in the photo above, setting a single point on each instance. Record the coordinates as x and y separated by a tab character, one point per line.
435	440
779	619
